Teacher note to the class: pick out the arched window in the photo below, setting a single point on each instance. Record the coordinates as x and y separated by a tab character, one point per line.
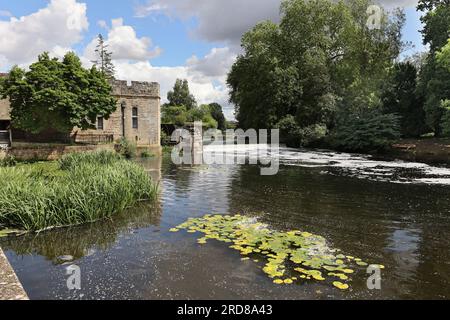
135	118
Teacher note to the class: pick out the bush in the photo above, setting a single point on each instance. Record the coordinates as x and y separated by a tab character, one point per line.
371	131
147	154
8	161
165	139
126	148
445	122
293	136
80	188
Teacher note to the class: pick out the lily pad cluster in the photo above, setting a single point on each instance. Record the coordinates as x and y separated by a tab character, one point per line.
290	256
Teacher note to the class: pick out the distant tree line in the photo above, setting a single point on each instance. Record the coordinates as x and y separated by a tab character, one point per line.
182	109
324	76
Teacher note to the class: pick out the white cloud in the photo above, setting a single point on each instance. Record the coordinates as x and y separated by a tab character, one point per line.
5	13
227	21
398	3
206	82
59	25
124	43
102	24
214	66
218	20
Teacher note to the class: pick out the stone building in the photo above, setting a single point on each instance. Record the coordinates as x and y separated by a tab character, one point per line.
137	117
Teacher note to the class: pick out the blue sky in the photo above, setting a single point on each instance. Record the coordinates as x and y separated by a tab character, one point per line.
154	40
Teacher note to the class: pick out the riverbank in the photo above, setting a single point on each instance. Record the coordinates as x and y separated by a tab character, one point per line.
11	288
432	151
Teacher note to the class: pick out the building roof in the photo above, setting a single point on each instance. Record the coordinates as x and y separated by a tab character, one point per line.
3	75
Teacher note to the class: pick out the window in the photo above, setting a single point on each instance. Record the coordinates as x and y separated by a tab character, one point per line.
135	118
100	123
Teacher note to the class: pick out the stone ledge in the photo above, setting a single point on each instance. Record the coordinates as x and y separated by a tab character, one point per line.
10	286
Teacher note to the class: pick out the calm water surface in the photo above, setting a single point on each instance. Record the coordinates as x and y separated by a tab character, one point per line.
392	213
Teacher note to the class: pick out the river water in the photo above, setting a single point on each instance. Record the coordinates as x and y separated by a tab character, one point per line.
391	213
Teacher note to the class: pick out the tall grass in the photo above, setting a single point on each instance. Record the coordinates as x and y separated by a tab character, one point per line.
80	188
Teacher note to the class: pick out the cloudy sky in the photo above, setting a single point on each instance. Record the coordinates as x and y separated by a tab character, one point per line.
152	40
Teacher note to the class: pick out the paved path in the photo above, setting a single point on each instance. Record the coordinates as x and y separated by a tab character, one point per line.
10	287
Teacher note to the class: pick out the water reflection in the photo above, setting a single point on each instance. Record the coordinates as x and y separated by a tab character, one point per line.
81	241
403	226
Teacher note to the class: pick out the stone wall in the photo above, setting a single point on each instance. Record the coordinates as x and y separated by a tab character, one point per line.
44	152
4	110
10	286
145	97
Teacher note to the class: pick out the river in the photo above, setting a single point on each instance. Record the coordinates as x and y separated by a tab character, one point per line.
391	213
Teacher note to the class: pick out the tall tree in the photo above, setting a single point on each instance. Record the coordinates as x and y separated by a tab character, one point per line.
57	95
217	114
399	97
434	77
320	58
443	56
104	58
180	95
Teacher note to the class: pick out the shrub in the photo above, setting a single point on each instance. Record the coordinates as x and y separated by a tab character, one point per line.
294	136
8	161
165	138
445	122
147	154
126	148
371	131
80	188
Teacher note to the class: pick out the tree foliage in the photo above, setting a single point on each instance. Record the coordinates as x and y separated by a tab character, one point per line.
319	61
216	111
57	95
104	58
371	131
445	122
443	56
181	96
435	76
399	96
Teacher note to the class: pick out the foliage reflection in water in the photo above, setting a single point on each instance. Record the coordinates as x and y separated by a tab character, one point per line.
291	256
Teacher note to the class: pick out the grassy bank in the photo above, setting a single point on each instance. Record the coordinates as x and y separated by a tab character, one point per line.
80	188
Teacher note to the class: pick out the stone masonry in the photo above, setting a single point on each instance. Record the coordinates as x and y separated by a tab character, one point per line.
137	117
144	97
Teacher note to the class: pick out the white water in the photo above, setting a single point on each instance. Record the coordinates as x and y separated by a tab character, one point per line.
355	165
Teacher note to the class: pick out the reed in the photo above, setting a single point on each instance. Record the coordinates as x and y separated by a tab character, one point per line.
80	188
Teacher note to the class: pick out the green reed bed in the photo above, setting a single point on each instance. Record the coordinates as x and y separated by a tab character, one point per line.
80	188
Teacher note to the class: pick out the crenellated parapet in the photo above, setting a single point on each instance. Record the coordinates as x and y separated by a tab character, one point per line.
121	88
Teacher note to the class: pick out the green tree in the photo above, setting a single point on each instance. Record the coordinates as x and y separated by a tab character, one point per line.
399	97
320	59
443	56
104	58
216	111
435	77
436	21
57	95
181	96
371	131
176	115
445	123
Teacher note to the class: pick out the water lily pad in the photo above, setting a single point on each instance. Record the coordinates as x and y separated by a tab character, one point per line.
282	252
340	285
